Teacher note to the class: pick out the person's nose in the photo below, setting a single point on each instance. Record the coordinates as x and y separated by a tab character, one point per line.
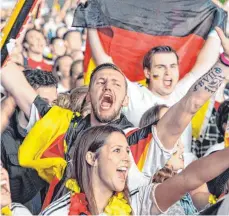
108	86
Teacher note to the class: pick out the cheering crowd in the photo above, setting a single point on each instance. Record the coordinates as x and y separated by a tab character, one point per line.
113	147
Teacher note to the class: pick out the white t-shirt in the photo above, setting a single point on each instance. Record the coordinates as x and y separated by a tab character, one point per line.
156	158
142	201
141	99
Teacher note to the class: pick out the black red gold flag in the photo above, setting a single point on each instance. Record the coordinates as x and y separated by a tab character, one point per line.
129	28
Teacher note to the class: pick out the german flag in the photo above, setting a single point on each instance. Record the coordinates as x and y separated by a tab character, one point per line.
129	28
14	26
44	147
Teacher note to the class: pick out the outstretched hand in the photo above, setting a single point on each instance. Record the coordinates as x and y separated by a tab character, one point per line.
224	41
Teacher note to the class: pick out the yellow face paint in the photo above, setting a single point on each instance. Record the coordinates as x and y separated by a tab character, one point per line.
155	77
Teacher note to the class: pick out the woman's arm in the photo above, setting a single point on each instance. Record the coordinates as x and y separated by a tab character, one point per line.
195	175
200	196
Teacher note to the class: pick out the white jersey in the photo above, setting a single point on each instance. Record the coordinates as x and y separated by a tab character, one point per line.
141	99
142	202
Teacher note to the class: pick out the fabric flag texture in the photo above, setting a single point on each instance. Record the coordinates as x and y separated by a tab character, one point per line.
14	26
130	28
44	147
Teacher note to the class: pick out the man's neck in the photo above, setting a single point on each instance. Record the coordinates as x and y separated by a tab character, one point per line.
95	122
157	94
35	56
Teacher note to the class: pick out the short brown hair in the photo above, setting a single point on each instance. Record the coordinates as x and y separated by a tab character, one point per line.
147	61
105	66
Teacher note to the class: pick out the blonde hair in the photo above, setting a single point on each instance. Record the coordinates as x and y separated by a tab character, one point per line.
63	100
78	100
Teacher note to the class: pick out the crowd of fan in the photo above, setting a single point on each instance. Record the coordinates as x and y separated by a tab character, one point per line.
49	56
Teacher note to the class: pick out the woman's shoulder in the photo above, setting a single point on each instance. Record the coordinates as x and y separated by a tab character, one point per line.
59	207
143	202
19	209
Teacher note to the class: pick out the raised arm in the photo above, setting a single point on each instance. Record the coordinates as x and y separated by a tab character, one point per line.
173	123
16	84
98	53
208	56
63	11
196	174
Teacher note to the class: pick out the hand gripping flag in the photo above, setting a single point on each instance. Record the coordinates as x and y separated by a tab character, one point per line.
128	29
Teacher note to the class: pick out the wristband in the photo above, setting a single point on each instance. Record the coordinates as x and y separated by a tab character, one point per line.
224	60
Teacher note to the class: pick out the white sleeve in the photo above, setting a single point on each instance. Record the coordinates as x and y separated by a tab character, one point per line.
183	86
214	34
157	155
140	100
143	200
136	178
190	78
33	118
19	209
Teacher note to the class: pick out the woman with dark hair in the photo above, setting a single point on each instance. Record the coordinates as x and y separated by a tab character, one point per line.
101	163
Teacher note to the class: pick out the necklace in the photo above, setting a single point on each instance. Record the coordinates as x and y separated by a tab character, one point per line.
117	204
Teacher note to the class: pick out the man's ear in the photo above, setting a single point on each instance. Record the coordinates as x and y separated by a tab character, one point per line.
147	73
90	158
126	101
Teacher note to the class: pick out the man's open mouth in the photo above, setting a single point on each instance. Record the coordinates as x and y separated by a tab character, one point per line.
107	101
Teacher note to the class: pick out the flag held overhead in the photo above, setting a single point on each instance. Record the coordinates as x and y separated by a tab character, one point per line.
129	28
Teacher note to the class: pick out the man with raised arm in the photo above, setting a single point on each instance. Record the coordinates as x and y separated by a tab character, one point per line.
161	69
108	94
